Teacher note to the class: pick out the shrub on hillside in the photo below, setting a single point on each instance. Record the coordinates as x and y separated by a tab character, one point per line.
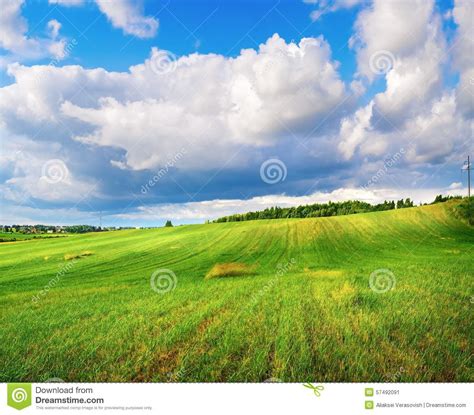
465	210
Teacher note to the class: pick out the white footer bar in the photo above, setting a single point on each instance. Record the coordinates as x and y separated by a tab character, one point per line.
237	398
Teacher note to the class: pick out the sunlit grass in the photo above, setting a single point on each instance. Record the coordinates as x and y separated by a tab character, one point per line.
230	269
290	299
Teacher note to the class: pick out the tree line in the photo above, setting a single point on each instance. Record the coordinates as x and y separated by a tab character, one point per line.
317	210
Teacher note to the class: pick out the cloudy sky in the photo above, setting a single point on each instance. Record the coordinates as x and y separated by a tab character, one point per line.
142	111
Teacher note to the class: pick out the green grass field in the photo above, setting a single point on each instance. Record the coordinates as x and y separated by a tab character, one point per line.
287	299
16	236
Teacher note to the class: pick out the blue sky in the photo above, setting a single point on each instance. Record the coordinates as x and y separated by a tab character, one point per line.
223	27
145	111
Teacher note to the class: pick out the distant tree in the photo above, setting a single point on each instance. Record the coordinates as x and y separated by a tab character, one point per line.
168	224
80	228
441	198
316	210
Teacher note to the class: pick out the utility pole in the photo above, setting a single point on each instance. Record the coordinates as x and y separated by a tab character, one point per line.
467	166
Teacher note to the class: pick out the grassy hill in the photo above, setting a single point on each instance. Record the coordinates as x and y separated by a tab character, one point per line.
16	236
287	299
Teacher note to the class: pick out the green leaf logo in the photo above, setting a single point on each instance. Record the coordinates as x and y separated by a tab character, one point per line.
19	395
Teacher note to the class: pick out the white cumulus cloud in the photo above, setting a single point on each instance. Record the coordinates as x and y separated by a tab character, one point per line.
416	111
323	7
209	104
15	39
128	16
123	14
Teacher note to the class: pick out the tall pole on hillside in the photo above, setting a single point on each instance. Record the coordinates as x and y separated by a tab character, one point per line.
467	166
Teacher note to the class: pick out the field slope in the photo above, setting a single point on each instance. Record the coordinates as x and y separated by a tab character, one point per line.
287	299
